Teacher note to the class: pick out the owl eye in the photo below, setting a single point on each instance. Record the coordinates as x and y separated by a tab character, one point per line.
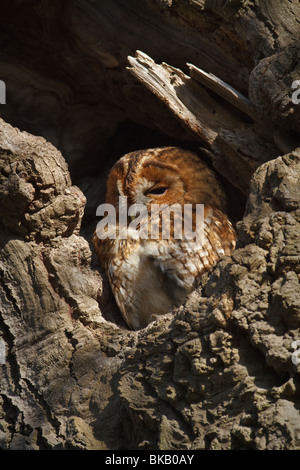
157	190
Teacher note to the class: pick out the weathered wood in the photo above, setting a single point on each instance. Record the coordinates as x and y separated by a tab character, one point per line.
222	371
224	90
236	150
166	83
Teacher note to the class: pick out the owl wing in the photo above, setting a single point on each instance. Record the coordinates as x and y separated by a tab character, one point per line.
180	263
171	283
219	235
174	270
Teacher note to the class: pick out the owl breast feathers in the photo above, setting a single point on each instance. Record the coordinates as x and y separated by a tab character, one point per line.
149	274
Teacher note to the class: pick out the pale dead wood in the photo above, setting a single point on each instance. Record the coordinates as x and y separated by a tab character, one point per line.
236	150
166	82
224	90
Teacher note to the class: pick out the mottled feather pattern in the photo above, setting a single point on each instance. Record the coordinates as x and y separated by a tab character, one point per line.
149	276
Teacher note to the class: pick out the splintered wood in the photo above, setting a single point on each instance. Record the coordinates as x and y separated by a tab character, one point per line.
224	90
217	115
176	90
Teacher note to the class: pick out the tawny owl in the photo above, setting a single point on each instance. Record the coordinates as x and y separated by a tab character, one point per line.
150	273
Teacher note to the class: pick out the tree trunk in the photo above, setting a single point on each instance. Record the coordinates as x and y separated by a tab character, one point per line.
87	81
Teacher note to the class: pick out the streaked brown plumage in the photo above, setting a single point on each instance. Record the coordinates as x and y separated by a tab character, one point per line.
149	276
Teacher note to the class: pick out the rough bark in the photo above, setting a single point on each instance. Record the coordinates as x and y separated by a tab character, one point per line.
221	371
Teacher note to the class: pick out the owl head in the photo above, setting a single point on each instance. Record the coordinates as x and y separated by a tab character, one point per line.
166	175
